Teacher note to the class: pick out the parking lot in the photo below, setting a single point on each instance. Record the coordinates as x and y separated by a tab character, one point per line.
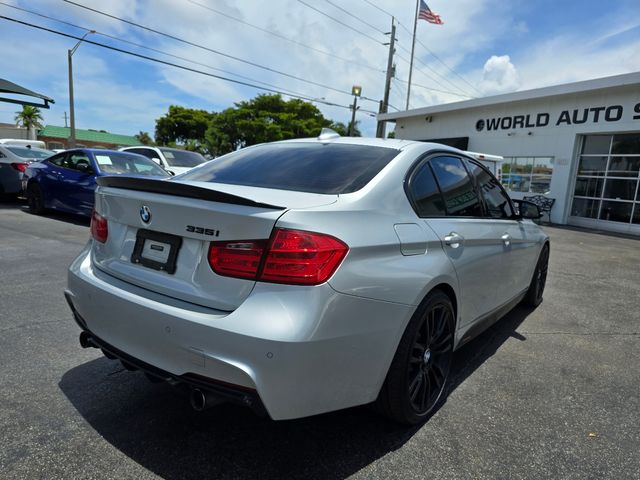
550	393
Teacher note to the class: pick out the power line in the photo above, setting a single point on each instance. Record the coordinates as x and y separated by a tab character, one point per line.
434	72
432	79
355	16
440	60
425	47
377	7
413	84
128	42
182	67
337	21
283	37
217	52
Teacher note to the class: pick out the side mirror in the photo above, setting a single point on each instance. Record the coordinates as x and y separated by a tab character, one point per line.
527	209
84	167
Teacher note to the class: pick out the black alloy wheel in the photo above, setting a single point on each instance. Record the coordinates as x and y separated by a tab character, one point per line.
430	359
419	371
35	200
533	297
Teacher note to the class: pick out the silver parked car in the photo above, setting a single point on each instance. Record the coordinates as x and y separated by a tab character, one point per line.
14	160
306	276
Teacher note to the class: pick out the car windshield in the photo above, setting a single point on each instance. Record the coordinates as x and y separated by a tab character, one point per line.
182	158
37	153
128	163
304	167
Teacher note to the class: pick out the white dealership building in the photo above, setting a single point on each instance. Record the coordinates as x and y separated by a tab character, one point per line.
578	143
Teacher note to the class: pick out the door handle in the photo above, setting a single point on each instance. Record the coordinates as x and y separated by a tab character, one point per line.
506	238
454	240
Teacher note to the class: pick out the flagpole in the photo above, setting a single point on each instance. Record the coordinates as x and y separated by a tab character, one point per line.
413	47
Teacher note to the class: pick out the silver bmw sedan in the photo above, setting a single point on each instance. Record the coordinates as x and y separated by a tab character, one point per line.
305	276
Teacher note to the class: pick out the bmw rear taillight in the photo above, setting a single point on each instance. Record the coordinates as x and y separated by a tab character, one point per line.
99	227
20	166
291	256
237	259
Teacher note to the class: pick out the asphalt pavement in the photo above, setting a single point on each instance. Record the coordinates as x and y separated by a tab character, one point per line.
548	393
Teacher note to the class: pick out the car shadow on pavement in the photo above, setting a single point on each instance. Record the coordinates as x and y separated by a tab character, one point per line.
19	204
154	425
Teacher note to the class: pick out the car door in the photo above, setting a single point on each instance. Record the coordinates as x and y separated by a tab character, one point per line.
78	182
445	197
519	240
50	182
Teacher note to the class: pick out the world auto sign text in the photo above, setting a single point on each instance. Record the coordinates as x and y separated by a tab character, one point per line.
578	116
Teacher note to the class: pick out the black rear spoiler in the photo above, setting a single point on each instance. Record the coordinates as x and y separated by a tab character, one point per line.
169	187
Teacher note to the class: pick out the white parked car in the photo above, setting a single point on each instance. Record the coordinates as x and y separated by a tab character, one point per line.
174	160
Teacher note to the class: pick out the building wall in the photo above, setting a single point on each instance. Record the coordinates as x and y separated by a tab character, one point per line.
14	132
543	127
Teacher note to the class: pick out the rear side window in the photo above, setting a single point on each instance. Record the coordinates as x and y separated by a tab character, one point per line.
303	167
425	193
460	197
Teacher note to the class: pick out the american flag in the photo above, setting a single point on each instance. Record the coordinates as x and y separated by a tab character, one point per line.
425	13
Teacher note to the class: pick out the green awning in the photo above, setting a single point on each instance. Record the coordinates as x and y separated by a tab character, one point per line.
14	89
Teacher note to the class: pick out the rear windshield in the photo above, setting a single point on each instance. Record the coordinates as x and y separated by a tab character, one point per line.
182	158
128	163
303	167
25	152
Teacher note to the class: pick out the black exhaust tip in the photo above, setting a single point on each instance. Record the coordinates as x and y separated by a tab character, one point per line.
202	399
85	340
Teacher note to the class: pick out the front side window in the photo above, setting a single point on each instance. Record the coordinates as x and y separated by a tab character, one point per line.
496	201
75	159
460	197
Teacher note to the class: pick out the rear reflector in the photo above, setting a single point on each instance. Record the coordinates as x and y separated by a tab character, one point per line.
99	227
20	166
292	256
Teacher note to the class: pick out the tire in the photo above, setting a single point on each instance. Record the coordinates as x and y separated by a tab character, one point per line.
533	297
35	200
418	374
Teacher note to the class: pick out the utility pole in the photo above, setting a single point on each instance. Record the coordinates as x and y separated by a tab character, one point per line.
391	71
72	117
65	120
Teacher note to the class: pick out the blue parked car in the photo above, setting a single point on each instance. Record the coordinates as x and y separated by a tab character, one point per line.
67	181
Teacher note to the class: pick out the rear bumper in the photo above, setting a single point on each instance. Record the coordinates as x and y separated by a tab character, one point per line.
302	350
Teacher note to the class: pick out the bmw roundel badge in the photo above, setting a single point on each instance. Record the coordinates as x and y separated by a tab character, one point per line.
145	214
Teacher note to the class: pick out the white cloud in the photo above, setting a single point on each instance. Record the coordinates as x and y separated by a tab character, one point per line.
499	75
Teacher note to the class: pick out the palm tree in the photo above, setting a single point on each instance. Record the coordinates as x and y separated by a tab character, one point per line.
29	117
144	138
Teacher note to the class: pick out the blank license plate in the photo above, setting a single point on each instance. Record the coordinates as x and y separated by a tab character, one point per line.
156	250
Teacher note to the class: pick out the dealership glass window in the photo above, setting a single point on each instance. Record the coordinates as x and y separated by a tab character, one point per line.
527	174
608	178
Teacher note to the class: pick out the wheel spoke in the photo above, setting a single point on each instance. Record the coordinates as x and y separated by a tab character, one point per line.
414	387
442	345
424	389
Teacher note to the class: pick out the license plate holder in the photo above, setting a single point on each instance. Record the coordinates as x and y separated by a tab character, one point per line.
156	250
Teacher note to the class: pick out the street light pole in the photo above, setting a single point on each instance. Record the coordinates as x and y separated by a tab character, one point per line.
72	116
356	91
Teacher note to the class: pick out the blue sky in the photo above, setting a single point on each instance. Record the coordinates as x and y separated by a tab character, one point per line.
495	46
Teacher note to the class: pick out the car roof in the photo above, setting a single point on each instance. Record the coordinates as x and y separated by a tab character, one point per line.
93	150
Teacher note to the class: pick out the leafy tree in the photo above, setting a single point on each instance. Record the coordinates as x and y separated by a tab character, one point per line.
391	134
144	138
29	117
181	125
266	118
